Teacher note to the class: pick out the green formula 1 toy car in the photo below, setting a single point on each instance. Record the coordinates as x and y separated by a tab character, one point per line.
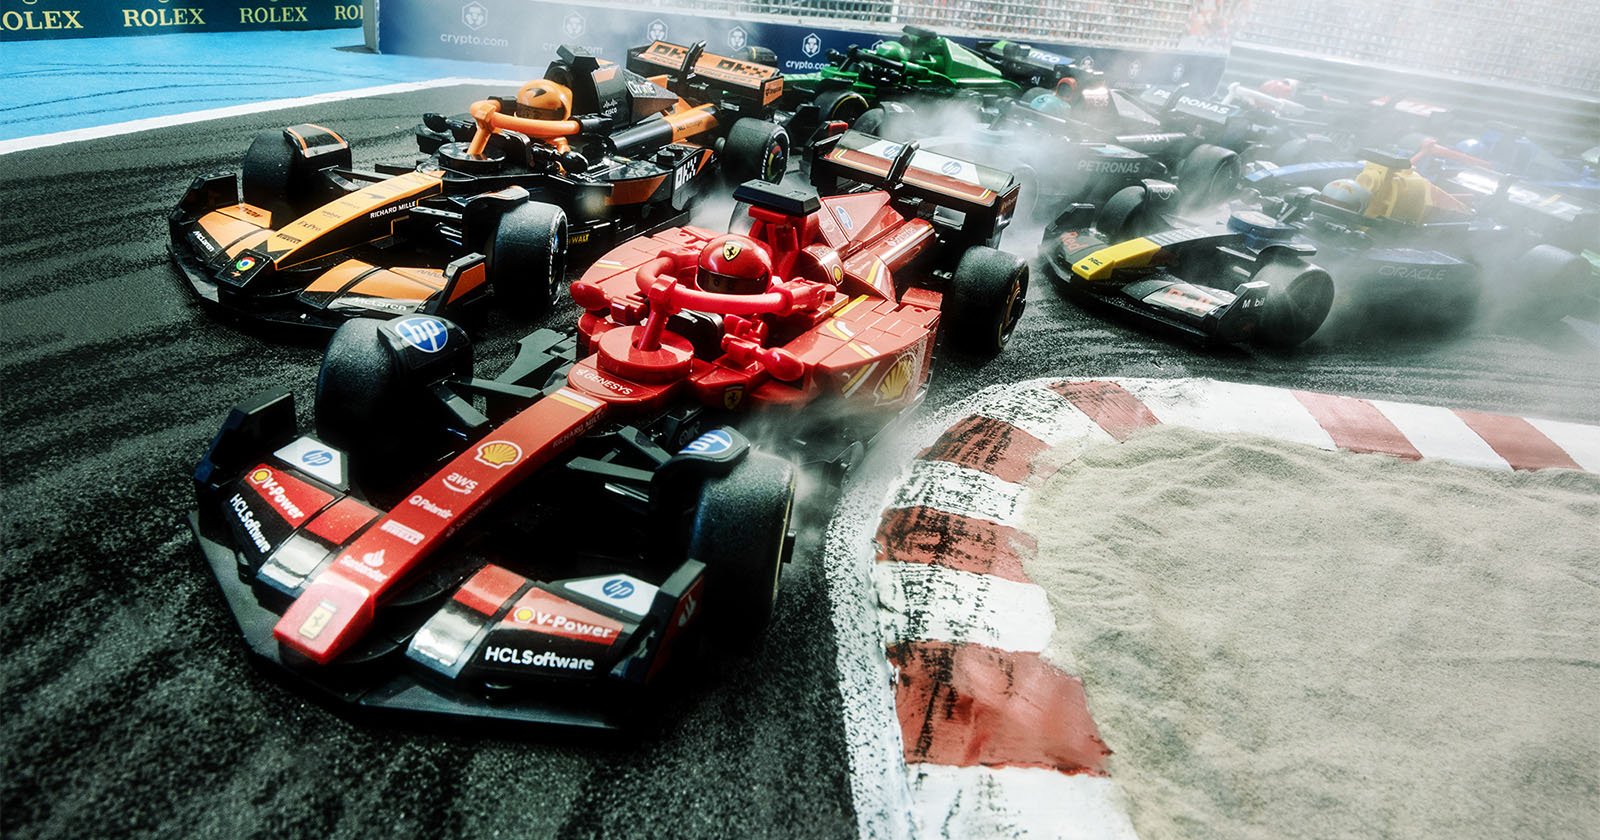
919	65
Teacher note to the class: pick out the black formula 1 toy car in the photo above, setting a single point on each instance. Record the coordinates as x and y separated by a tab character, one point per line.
538	546
590	154
1244	282
1412	253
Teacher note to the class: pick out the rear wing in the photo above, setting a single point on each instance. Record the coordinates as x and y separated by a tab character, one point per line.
707	76
985	196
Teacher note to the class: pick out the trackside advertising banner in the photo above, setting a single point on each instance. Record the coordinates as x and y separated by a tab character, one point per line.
527	32
28	20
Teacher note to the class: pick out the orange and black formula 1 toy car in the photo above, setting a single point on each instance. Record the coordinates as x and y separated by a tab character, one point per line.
611	493
586	156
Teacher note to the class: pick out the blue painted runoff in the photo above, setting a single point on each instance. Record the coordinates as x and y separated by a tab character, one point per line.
51	86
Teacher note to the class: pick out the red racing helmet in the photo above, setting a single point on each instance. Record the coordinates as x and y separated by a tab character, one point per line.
734	265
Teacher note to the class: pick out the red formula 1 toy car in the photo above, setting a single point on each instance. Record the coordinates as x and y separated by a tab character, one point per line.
527	547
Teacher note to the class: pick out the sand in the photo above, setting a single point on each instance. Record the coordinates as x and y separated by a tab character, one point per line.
1282	642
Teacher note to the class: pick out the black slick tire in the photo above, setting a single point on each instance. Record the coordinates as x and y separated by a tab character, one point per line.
841	106
741	532
755	149
987	297
527	258
1208	175
268	178
1297	302
1126	214
362	395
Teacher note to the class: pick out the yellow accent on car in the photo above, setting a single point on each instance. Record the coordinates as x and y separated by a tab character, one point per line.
1135	253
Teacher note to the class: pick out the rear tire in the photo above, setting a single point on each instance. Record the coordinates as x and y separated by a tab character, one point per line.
1546	284
741	533
870	122
841	105
755	149
986	300
1299	300
527	258
1208	175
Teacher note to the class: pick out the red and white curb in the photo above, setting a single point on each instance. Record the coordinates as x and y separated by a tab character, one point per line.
958	727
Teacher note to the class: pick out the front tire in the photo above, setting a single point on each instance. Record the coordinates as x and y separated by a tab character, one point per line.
363	394
1127	213
986	300
269	179
755	149
1546	284
741	533
527	258
1298	302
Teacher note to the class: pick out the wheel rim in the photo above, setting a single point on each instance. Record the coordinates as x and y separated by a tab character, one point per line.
1015	304
777	160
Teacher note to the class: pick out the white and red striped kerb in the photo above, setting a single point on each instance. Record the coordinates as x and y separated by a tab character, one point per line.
997	741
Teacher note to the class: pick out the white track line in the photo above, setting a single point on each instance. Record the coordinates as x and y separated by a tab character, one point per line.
956	489
961	802
1045	414
1439	433
38	141
1230	407
1582	443
918	602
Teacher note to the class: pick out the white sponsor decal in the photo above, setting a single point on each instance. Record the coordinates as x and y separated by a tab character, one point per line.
1108	166
545	659
565	624
373	558
362	569
275	493
459	483
1412	272
428	505
622	591
252	527
608	384
315	458
410	535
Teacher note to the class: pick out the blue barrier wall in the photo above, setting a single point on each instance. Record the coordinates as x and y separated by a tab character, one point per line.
29	20
527	32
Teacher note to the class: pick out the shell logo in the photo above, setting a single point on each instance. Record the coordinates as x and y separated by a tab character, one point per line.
893	384
523	615
498	454
260	475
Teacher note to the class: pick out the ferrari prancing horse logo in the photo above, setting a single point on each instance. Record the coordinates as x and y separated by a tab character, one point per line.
732	395
730	250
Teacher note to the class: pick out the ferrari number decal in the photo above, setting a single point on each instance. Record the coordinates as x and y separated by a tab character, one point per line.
318	619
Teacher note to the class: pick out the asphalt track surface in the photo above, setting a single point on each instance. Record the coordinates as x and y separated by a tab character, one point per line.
127	703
